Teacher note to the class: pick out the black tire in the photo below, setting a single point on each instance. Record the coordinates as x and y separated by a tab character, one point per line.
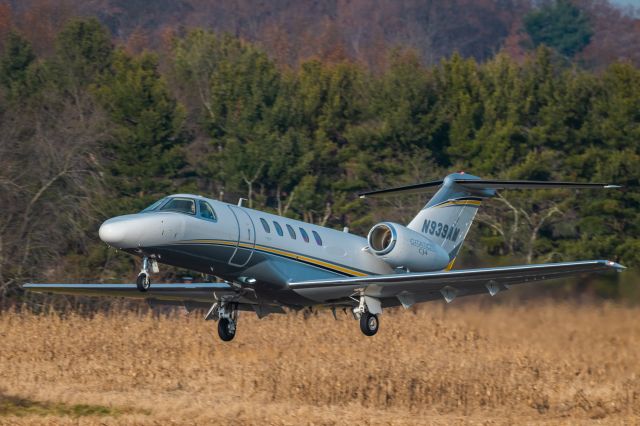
226	329
369	324
143	282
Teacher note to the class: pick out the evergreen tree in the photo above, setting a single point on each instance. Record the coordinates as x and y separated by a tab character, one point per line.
145	148
560	25
83	51
14	63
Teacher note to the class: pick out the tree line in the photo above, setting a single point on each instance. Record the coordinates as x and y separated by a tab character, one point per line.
593	33
91	131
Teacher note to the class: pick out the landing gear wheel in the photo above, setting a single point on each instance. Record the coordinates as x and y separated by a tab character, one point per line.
226	329
369	323
143	282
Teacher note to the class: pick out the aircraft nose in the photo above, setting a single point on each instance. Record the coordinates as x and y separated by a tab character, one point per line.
113	232
141	230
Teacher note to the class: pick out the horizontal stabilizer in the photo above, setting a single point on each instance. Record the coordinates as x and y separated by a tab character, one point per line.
407	190
481	184
529	184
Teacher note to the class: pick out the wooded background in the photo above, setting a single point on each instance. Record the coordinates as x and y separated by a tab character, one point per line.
109	105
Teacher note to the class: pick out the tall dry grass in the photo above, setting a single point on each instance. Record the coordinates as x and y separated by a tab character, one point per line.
489	364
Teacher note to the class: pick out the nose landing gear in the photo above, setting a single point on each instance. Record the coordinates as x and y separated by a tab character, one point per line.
143	282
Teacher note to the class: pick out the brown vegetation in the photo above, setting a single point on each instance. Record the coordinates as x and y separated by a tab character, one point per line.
361	30
492	364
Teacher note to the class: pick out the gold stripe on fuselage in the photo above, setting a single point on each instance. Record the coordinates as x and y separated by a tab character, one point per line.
289	254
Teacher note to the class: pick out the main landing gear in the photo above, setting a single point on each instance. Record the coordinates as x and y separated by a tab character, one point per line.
227	315
367	313
143	282
226	329
369	323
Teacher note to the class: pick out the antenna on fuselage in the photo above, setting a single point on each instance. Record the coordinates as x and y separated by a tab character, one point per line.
240	201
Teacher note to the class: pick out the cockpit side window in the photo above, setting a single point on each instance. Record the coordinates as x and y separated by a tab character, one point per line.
180	205
206	211
154	206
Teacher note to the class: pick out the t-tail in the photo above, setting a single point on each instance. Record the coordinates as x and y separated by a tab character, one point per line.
448	215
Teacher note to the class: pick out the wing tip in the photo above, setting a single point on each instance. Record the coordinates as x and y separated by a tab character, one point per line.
614	265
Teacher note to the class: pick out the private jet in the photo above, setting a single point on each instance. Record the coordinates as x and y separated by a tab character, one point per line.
271	264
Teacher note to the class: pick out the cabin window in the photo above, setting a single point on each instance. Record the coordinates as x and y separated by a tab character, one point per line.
317	237
265	225
206	211
304	234
278	228
292	233
179	205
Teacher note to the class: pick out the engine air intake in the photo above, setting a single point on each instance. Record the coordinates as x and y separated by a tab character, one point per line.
382	239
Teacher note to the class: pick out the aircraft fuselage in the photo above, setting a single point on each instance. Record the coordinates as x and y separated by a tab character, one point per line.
243	244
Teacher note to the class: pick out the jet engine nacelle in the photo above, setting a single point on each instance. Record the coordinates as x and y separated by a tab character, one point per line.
401	247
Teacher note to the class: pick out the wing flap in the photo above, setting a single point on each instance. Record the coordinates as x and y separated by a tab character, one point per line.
466	281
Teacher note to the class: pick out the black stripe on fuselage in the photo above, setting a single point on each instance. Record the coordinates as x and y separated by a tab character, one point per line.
286	254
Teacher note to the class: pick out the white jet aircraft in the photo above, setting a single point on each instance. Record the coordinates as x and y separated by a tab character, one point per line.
269	262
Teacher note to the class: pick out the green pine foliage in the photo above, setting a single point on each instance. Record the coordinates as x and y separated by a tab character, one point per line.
561	25
14	64
144	146
219	117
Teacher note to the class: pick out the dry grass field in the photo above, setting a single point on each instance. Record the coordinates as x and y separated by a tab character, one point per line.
470	363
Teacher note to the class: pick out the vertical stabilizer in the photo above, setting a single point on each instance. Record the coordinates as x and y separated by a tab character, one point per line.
448	215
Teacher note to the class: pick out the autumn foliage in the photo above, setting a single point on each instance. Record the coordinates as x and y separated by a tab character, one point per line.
295	31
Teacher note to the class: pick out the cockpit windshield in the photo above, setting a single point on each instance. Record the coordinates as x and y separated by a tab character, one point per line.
154	206
180	205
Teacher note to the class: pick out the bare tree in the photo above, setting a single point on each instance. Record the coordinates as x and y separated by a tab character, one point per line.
48	172
518	222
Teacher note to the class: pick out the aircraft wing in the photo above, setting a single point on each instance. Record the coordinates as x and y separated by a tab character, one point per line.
178	293
410	288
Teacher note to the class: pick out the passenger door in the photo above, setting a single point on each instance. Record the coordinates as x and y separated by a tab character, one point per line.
246	238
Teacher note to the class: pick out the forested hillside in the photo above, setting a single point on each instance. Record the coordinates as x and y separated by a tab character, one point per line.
92	126
592	33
